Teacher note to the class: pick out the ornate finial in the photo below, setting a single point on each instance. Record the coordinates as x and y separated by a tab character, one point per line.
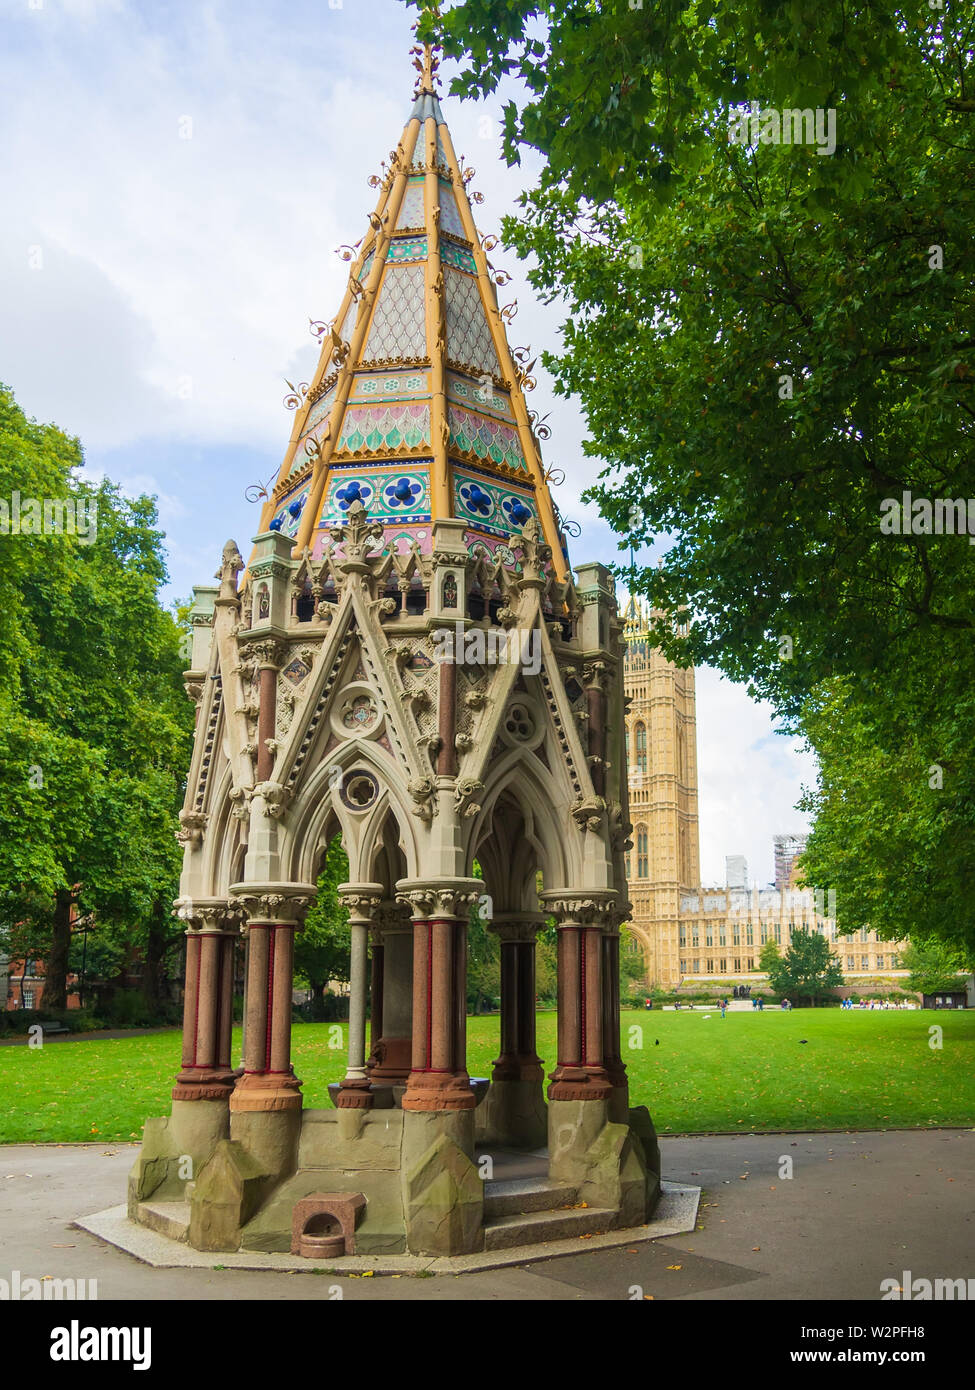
426	60
231	564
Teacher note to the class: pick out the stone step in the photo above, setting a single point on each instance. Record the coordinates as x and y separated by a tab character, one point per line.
537	1227
519	1195
170	1219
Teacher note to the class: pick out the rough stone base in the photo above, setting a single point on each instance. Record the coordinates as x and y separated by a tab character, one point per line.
443	1193
424	1192
176	1148
606	1161
675	1215
513	1114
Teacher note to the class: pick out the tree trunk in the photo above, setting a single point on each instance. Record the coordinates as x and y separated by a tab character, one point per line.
318	1001
152	962
56	965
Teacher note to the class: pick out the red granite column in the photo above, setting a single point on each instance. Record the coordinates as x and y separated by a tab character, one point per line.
213	929
612	1058
518	1060
392	1032
579	1073
438	1077
268	1081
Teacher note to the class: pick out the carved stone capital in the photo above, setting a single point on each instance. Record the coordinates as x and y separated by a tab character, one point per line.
389	919
518	928
439	898
585	909
270	653
285	903
362	901
209	914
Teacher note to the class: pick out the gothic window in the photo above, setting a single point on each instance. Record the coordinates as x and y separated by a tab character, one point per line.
640	739
642	853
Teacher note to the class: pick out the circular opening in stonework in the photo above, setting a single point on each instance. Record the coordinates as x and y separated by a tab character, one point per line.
324	1224
359	713
359	790
519	723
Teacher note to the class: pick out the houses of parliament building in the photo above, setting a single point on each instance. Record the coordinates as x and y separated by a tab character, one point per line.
689	933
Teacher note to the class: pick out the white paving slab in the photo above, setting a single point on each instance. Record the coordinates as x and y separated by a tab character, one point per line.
675	1215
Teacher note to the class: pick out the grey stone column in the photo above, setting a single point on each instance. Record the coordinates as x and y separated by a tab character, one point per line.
362	901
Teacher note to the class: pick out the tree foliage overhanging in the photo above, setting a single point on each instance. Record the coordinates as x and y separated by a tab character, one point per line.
95	728
769	343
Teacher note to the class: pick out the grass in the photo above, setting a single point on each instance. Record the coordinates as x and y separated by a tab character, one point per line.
747	1072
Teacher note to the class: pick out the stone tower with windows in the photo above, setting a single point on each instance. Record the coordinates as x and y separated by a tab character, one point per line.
661	735
406	663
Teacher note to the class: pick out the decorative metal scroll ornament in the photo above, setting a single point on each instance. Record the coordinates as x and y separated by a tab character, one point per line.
258	492
296	394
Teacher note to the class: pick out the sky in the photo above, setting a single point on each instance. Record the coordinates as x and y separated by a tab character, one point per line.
178	177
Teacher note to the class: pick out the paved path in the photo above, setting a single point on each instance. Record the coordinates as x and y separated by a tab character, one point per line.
99	1036
859	1208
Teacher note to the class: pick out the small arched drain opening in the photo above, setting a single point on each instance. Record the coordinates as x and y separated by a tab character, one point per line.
323	1225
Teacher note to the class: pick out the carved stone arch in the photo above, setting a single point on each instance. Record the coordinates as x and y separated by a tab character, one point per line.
221	837
320	797
328	831
557	843
509	855
388	862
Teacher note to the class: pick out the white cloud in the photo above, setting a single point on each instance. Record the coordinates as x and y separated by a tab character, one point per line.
749	779
187	170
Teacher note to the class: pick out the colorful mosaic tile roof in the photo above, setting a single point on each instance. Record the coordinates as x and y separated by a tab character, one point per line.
417	407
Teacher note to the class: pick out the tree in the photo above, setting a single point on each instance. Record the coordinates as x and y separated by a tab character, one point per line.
323	947
808	970
772	346
894	830
633	965
935	966
769	957
95	729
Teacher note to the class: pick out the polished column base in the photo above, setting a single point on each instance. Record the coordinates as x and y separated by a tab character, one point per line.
390	1062
266	1091
204	1083
579	1083
355	1094
426	1090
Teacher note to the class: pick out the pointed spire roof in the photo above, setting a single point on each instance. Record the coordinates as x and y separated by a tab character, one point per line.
417	405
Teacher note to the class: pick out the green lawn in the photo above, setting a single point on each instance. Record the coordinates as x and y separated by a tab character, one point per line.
749	1071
